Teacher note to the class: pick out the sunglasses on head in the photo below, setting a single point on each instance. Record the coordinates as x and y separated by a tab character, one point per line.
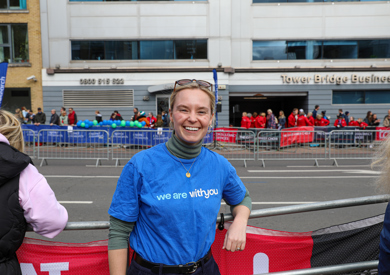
183	82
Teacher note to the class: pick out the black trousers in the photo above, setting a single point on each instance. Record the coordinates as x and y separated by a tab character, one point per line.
209	268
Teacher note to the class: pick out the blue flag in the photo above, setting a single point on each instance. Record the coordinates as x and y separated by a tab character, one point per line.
216	96
3	74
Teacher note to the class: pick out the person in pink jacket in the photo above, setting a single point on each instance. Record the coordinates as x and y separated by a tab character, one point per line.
25	197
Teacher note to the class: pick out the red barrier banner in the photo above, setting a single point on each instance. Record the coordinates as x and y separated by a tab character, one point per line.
266	251
226	135
382	133
302	134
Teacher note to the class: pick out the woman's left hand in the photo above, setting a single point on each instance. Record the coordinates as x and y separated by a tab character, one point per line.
235	238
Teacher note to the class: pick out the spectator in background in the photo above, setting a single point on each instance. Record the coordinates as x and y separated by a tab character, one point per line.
346	117
260	121
362	124
303	120
374	121
152	120
113	116
30	117
165	119
24	111
386	120
98	116
293	118
245	121
160	122
323	113
340	121
142	117
40	117
282	120
368	118
341	113
316	108
310	118
271	120
353	122
63	117
118	115
54	119
386	116
253	120
135	116
19	115
320	121
72	117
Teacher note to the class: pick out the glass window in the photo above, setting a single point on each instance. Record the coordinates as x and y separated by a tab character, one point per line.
148	49
304	49
13	4
348	97
269	50
134	0
340	49
3	34
374	48
377	97
19	43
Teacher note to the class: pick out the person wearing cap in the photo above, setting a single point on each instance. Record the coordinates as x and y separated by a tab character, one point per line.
346	117
40	117
142	117
340	121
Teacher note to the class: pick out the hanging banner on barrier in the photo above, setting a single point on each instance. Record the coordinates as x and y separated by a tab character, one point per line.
291	136
226	135
266	251
382	133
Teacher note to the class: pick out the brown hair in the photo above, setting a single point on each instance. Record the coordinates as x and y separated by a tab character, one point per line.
191	86
382	159
10	128
159	118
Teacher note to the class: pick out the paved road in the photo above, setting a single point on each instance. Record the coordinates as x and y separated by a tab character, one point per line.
86	192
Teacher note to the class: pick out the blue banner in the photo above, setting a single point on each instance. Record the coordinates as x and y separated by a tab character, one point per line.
3	75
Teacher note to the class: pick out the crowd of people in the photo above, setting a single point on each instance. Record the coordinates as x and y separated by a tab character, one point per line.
27	116
298	118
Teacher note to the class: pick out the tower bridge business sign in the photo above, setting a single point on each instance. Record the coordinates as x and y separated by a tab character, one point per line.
336	79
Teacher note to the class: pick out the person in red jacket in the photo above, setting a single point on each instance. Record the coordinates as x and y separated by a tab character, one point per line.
253	120
340	121
310	118
362	124
320	121
353	122
260	121
245	121
293	118
302	120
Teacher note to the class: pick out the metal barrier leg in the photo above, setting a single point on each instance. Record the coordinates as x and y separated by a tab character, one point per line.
263	162
244	163
98	162
316	163
335	163
43	161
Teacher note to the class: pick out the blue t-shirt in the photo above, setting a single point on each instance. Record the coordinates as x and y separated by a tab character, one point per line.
175	216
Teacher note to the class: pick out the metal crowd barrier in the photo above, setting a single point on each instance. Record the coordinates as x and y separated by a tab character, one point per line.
30	142
75	144
353	144
291	145
276	211
126	143
234	144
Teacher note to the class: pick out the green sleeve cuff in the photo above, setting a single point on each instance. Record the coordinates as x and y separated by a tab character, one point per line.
247	201
118	233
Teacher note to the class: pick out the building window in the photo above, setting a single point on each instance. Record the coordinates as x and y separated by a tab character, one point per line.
327	49
13	4
309	1
134	50
361	97
14	43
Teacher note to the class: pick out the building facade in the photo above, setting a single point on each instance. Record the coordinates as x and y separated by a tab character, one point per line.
20	47
117	55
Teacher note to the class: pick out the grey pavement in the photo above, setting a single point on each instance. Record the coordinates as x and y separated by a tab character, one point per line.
86	192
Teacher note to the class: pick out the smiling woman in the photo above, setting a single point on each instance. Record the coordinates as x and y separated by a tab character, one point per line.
180	198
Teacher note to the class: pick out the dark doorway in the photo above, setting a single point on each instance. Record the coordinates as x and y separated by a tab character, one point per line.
261	103
15	98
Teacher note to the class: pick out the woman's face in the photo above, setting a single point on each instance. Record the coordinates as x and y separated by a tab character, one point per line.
374	116
191	115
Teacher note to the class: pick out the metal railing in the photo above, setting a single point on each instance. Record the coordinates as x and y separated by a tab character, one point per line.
74	144
30	142
291	145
